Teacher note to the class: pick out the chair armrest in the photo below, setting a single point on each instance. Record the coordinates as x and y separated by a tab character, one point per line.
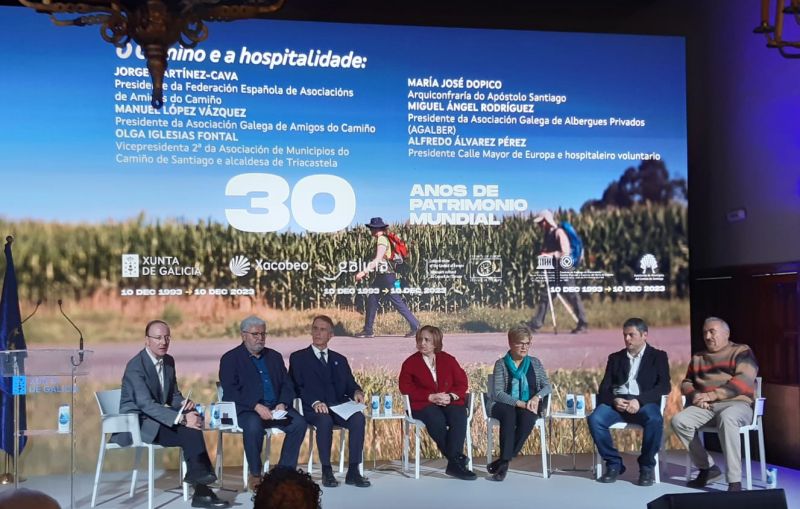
119	423
407	406
663	403
123	423
485	405
758	410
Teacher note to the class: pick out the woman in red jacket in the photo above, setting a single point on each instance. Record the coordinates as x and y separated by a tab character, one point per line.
437	387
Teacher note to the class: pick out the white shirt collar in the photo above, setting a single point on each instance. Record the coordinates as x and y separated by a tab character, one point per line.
318	351
152	357
637	356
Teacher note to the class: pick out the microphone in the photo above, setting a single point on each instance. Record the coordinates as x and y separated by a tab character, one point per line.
80	341
38	303
17	330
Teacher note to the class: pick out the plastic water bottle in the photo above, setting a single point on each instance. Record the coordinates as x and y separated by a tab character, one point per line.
387	405
63	419
397	284
580	405
376	404
772	477
214	422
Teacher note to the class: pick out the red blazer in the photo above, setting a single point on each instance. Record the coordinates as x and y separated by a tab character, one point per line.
416	379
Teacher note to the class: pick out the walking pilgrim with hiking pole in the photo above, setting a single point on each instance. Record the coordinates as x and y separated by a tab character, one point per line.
564	249
389	253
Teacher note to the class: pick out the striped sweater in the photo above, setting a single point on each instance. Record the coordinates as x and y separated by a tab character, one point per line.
730	373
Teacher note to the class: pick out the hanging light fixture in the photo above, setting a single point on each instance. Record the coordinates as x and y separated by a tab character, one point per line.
155	25
775	33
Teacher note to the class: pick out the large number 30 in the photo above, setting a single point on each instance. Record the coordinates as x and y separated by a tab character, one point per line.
277	214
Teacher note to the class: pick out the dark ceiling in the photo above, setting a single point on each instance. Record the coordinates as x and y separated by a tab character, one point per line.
564	15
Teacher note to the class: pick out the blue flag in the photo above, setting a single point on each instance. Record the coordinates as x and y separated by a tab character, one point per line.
11	338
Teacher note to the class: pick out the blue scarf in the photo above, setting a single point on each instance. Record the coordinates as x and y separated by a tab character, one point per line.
519	377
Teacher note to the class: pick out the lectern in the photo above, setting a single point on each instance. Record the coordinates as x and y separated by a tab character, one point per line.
20	365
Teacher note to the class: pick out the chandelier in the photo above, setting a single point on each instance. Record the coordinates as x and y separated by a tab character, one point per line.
155	25
774	33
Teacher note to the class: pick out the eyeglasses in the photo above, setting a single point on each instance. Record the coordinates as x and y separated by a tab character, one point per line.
257	334
523	345
165	339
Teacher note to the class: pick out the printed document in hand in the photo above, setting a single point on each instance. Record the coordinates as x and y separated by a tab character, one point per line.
183	408
345	410
277	415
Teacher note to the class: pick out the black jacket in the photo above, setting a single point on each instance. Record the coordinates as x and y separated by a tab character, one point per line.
653	376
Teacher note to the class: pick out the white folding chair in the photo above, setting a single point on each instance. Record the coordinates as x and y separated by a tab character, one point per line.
628	425
236	430
419	426
754	425
491	423
114	422
298	405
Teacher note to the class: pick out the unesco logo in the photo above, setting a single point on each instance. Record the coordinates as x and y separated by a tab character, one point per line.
130	265
239	265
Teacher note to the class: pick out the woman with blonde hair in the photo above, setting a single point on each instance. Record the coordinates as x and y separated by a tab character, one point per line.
437	388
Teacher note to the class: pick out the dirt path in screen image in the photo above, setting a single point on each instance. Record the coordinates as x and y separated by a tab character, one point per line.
564	350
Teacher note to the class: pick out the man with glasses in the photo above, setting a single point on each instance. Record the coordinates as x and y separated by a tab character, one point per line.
150	389
323	379
636	377
255	378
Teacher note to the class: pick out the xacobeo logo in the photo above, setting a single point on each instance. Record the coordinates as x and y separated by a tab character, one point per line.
239	265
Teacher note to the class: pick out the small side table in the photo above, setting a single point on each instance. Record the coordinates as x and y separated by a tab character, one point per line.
375	419
574	418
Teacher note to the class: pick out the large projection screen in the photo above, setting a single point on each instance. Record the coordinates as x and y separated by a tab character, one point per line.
248	193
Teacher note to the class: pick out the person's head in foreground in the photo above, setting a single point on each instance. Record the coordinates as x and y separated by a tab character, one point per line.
286	488
23	498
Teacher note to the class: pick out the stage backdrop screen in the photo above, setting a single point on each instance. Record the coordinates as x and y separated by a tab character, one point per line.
249	192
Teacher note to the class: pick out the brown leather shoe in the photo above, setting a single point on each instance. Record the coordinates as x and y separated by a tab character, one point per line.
253	482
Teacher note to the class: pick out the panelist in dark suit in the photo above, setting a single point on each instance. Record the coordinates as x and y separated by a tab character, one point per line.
150	389
437	388
323	379
635	379
255	378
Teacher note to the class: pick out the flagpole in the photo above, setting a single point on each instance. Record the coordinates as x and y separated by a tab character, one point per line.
16	441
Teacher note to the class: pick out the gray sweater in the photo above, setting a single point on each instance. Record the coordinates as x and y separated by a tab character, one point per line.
500	378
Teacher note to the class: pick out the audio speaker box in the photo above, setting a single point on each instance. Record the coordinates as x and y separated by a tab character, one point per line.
773	499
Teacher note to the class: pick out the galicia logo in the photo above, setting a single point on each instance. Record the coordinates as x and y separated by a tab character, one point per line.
239	265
